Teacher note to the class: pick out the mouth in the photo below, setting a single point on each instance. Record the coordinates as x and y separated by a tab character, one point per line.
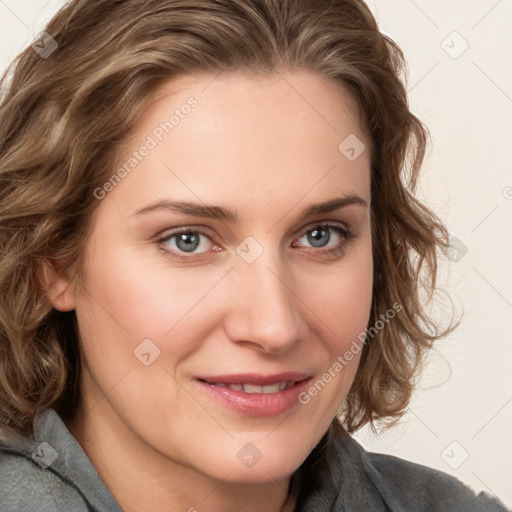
254	388
254	394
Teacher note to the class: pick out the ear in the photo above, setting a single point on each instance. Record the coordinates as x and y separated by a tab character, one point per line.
60	286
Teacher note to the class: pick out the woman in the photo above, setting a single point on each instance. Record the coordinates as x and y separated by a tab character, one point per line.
211	261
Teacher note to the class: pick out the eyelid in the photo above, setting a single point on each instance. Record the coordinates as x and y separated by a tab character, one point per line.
164	233
324	223
167	235
204	230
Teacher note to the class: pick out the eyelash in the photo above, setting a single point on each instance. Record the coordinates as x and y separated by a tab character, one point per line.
346	235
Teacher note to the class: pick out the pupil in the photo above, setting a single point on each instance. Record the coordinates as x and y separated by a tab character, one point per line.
319	237
187	242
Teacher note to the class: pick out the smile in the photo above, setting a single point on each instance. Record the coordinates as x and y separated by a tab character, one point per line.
255	394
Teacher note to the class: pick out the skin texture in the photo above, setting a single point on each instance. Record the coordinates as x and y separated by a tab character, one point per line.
258	147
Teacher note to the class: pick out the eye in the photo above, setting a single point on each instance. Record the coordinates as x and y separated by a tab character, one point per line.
321	238
186	241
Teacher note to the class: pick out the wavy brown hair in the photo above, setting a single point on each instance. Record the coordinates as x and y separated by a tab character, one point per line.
64	118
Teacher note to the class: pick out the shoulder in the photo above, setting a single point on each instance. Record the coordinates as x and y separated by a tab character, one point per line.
341	476
25	485
412	486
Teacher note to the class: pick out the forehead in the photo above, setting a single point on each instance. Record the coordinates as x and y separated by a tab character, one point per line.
291	96
252	135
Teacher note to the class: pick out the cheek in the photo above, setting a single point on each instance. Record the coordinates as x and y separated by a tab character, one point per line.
125	300
341	302
342	298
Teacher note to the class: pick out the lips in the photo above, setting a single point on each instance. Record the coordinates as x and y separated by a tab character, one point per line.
255	394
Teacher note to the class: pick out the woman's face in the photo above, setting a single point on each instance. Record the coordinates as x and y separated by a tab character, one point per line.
189	339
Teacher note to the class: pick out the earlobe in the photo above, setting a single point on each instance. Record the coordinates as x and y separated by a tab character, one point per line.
59	286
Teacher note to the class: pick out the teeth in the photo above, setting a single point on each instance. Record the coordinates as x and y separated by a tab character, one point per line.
274	388
253	388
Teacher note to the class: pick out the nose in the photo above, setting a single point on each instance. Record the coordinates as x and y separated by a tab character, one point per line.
265	310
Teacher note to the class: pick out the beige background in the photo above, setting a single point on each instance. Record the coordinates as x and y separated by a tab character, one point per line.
460	84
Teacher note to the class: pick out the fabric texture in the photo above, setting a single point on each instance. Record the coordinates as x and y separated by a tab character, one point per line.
51	473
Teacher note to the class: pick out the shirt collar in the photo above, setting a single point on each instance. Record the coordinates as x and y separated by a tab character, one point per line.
54	448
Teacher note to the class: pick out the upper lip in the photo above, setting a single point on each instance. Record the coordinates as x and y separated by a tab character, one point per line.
255	378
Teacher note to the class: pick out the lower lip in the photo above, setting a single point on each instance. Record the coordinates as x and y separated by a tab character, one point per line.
257	404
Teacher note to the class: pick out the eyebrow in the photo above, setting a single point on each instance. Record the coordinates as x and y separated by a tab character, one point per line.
223	214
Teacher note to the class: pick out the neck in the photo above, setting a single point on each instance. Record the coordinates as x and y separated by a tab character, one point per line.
140	478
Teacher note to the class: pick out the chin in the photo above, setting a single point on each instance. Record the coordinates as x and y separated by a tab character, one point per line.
261	462
262	472
242	462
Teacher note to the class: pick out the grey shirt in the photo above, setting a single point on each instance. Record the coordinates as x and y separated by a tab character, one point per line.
51	473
